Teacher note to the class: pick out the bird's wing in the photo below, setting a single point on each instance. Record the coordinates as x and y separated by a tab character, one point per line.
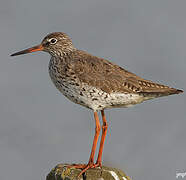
109	77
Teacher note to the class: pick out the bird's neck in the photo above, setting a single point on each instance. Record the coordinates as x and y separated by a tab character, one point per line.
62	56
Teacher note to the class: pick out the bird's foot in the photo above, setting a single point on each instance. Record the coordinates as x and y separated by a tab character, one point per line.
77	166
84	167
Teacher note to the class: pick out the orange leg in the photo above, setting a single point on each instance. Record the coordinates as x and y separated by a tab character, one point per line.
97	131
91	159
104	132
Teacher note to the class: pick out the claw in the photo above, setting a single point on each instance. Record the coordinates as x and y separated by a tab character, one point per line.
84	167
88	166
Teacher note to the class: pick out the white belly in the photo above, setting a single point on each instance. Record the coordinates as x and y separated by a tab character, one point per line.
96	99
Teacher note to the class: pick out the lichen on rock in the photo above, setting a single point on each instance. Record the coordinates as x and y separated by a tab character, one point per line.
62	172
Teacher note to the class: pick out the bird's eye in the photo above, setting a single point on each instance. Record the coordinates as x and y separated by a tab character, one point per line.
53	41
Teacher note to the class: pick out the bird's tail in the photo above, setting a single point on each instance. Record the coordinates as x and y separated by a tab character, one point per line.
164	92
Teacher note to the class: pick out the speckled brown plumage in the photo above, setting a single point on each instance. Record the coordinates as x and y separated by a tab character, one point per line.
95	83
109	77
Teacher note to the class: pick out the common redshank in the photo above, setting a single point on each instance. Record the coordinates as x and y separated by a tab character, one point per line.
95	83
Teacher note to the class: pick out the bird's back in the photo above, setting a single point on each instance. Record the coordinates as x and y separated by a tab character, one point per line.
111	78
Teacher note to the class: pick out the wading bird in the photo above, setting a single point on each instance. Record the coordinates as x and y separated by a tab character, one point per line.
95	83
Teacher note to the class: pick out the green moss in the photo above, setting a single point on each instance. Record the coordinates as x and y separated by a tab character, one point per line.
61	172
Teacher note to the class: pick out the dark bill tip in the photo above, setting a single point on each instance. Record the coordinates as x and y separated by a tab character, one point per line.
29	50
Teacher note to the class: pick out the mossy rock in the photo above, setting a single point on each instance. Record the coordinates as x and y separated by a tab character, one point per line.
61	172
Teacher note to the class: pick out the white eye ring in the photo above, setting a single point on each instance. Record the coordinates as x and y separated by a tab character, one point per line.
53	41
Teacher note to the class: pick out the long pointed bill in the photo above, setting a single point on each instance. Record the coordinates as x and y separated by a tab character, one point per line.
29	50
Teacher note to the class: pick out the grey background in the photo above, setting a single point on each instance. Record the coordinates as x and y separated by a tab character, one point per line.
40	128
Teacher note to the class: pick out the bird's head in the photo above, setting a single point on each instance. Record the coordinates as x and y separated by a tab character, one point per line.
57	44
